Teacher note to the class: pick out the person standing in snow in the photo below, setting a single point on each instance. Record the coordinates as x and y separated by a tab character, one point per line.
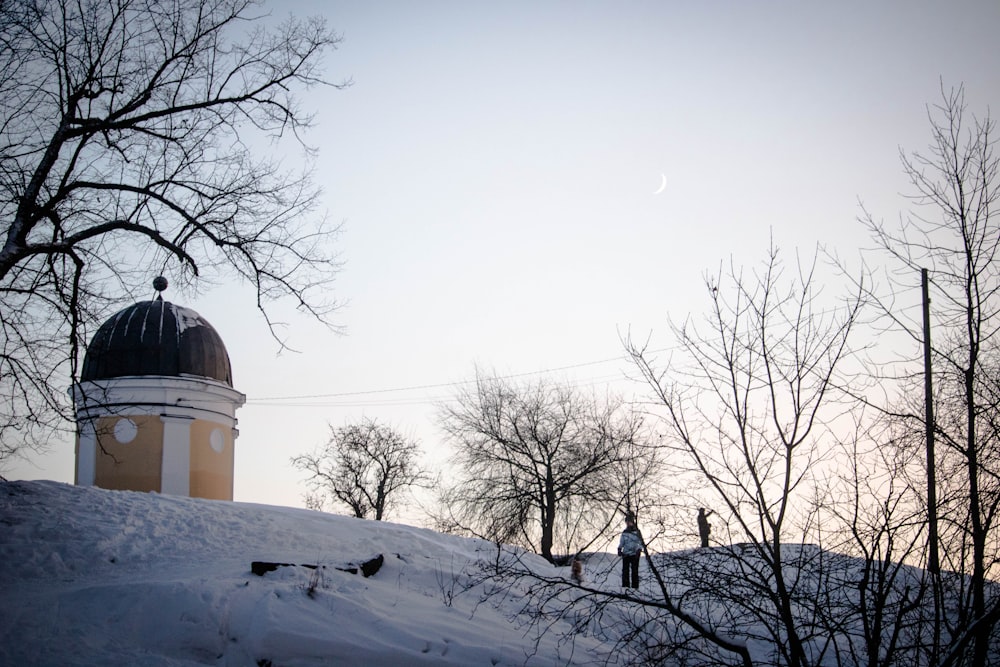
704	527
630	549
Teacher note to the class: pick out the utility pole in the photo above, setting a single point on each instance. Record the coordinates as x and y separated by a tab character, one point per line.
933	564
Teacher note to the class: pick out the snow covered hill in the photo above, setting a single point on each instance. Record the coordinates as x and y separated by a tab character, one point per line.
96	577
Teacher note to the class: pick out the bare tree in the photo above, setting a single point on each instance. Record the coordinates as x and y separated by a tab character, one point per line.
136	139
953	231
366	466
748	403
534	462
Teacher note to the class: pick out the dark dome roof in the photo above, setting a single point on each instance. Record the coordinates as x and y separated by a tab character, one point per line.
156	338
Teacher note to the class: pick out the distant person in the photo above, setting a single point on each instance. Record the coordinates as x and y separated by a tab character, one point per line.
630	549
704	527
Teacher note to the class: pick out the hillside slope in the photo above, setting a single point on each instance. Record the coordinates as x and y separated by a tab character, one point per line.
96	577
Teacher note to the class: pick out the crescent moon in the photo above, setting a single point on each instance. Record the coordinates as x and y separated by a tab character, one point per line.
663	185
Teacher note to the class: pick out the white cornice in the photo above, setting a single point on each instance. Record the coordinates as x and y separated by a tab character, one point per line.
193	397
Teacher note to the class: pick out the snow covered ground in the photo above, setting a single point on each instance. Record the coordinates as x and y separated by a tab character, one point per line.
96	577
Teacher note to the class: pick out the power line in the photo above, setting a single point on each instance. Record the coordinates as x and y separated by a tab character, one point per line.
441	385
290	401
353	401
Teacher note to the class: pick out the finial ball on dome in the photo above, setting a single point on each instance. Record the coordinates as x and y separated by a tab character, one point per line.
159	283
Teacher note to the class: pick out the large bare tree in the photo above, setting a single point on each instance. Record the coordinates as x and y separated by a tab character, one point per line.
365	466
136	138
536	462
748	401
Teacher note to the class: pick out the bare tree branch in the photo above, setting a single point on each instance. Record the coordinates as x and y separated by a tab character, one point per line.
131	139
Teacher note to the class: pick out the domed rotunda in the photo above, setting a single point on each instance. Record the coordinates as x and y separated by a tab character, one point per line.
155	405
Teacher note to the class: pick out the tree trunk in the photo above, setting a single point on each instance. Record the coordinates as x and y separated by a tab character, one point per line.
978	582
548	517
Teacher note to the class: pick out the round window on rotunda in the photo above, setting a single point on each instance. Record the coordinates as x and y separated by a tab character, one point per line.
217	440
125	431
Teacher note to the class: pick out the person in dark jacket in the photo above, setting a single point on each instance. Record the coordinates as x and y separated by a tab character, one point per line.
704	527
630	549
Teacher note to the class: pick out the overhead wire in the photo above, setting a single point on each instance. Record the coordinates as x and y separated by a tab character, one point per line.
377	397
357	398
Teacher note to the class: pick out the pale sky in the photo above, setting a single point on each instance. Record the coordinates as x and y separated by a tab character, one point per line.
495	166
